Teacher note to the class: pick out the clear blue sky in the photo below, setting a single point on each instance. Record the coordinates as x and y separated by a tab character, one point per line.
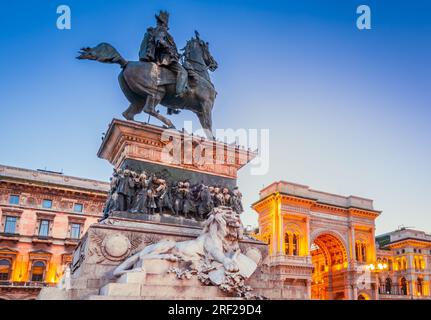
348	110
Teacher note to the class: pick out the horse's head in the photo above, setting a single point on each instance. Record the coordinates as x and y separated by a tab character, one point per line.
198	51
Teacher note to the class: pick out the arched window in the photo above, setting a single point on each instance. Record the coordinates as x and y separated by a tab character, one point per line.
361	251
388	285
5	269
364	252
287	243
38	271
416	263
419	287
291	244
295	244
390	266
403	286
422	263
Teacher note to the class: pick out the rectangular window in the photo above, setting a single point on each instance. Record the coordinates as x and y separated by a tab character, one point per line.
47	204
75	231
10	225
44	228
14	199
38	271
78	207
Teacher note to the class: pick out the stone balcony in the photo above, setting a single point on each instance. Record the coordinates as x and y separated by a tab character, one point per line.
282	259
27	284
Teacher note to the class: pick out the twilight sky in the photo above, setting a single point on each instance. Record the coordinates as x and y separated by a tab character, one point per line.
348	110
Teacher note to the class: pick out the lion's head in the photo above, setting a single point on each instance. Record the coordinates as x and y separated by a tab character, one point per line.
225	224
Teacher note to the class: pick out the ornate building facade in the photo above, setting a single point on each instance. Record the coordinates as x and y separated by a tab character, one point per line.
42	217
323	246
403	264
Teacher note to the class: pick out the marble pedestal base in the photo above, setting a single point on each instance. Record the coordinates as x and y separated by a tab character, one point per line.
107	244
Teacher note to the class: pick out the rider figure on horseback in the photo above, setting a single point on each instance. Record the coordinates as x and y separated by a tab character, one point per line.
158	46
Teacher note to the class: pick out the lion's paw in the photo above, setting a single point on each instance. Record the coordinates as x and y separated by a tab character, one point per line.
230	265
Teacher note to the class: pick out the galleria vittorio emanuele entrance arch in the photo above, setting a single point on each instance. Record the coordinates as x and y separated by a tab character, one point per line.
320	244
329	259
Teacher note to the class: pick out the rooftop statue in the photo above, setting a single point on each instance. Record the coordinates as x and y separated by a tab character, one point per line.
163	76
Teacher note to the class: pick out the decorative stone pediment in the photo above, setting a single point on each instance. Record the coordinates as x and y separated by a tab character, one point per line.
45	215
7	251
11	212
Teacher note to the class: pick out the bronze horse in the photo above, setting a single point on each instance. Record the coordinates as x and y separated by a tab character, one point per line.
145	84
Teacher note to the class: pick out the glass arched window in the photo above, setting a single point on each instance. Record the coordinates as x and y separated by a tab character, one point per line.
423	263
38	271
295	244
364	252
287	244
404	263
403	286
390	266
5	269
388	285
361	251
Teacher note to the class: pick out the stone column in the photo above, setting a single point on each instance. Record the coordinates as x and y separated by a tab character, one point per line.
352	232
274	236
372	254
280	226
308	289
308	235
410	285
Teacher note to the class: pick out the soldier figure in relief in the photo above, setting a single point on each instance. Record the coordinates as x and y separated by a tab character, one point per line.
125	190
140	205
112	201
237	201
218	197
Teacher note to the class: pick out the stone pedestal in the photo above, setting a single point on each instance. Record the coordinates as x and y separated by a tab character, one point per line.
106	245
174	155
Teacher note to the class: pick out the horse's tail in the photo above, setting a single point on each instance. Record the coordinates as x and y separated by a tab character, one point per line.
103	52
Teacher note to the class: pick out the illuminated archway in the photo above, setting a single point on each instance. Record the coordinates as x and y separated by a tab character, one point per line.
363	296
329	258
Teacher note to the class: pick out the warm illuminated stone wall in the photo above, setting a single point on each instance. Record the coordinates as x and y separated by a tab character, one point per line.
31	250
329	237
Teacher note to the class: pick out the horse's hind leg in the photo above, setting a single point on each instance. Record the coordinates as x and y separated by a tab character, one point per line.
149	108
131	111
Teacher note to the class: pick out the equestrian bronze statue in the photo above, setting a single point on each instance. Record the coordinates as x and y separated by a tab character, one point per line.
163	76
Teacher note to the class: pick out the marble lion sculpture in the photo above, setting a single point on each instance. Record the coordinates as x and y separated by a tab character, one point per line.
214	255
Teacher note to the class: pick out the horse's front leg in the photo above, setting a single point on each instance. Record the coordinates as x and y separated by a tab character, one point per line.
205	118
150	108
